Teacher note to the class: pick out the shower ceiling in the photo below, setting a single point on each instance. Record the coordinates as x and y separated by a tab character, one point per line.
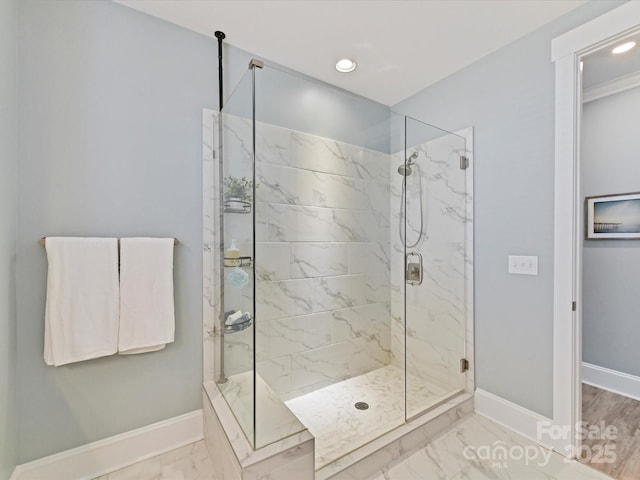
404	45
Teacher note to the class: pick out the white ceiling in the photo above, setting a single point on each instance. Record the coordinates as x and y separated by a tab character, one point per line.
401	46
603	66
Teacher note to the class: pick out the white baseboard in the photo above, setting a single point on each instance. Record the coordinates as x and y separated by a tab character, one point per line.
512	416
612	380
104	456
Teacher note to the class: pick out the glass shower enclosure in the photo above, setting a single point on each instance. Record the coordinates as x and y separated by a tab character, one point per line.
343	260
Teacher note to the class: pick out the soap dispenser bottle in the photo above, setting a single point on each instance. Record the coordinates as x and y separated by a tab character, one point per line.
232	255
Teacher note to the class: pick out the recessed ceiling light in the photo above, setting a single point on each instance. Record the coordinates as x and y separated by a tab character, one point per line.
625	47
346	65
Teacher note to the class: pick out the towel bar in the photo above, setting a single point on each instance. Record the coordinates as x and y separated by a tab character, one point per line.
41	241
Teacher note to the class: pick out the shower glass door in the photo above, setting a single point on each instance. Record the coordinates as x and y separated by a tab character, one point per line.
432	236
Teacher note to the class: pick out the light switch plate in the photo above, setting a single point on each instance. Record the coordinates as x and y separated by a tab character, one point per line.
523	265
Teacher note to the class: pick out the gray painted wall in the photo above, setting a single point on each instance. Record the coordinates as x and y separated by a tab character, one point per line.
611	289
8	204
508	97
318	108
110	145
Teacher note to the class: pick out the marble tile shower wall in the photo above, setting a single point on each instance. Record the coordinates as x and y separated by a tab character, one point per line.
436	311
322	258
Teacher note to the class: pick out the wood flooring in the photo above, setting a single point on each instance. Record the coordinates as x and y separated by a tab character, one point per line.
624	450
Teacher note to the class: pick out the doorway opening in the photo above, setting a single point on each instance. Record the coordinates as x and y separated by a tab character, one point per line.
576	270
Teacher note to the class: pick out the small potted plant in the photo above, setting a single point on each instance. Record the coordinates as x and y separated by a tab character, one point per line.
238	193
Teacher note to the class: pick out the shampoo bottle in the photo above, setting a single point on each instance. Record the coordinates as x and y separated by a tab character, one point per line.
232	255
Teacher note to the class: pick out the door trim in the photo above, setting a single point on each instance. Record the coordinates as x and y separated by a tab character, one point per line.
567	50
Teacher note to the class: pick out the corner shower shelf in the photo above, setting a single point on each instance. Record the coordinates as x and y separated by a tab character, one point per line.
238	262
237	327
235	205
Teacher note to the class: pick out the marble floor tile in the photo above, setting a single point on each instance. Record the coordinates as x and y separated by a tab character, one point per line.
187	463
454	455
467	451
339	428
618	411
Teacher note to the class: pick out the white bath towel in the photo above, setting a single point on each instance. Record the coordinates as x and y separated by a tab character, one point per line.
81	313
147	320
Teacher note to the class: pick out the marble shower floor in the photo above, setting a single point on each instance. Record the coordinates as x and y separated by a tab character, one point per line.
622	412
339	428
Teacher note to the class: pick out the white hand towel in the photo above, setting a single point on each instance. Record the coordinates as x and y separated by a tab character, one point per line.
147	320
81	313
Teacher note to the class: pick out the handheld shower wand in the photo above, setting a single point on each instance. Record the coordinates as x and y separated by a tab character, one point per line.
405	170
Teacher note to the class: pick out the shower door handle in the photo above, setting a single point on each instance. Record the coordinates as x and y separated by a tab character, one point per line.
413	274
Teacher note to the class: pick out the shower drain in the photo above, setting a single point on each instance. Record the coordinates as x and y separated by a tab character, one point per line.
361	405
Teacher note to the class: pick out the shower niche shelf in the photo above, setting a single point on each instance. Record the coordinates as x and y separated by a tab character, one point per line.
236	205
238	262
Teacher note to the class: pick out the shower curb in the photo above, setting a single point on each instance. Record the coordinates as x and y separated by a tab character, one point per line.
233	456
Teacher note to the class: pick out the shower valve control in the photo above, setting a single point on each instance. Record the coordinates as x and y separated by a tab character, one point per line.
414	268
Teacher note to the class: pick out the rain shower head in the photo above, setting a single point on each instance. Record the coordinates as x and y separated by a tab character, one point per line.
405	169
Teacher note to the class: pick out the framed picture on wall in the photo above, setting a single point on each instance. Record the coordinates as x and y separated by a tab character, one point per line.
613	216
